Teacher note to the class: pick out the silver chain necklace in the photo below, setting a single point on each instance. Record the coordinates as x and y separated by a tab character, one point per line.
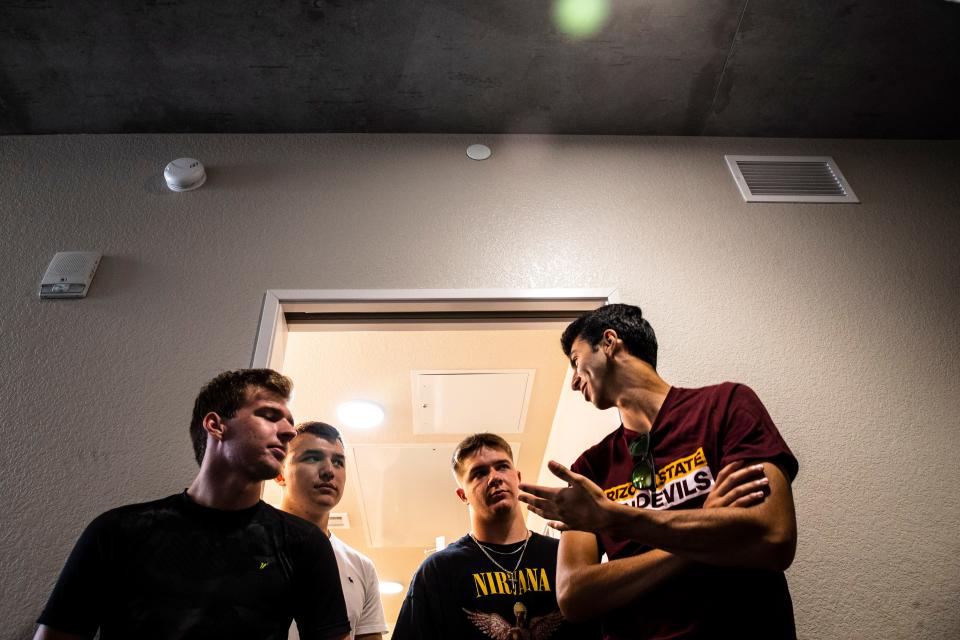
511	575
501	553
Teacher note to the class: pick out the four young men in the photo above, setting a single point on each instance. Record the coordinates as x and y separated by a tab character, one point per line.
692	551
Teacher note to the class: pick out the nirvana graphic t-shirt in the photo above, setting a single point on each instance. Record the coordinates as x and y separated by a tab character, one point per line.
172	569
459	593
696	433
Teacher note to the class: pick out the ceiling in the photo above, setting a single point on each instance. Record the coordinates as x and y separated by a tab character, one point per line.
773	68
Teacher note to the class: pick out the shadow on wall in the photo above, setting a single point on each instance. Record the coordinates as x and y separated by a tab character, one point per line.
115	275
26	631
232	177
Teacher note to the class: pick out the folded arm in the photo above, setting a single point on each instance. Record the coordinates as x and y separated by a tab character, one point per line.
763	537
580	575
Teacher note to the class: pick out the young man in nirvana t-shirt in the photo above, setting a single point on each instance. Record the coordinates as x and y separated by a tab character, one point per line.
214	561
499	580
675	570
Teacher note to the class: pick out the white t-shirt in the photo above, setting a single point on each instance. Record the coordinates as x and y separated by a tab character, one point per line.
361	591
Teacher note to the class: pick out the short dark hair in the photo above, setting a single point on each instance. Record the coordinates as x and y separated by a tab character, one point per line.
320	429
627	320
225	394
471	444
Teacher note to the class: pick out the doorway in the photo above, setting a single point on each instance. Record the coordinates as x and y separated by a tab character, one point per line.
441	364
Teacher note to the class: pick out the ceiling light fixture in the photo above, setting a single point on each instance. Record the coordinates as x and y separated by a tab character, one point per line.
390	588
360	414
478	152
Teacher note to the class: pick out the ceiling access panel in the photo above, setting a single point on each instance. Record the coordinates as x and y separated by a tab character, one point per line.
470	401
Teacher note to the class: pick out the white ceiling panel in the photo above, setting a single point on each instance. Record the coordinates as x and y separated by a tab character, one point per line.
462	402
407	494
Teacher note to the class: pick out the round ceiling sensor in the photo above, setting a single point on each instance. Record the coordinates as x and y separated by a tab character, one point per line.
185	174
478	152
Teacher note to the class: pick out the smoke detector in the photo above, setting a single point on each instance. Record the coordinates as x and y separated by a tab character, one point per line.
185	174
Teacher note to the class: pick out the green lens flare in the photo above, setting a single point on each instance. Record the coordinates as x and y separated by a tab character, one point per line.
581	18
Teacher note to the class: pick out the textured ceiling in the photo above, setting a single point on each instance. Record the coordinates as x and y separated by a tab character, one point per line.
779	68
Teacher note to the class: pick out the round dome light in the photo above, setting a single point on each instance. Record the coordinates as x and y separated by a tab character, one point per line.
390	588
360	414
478	152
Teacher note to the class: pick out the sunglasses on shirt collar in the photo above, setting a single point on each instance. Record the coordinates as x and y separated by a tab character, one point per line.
643	475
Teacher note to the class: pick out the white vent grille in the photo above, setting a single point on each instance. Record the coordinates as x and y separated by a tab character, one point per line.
338	520
790	179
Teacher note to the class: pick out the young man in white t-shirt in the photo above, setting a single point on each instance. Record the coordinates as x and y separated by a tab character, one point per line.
313	478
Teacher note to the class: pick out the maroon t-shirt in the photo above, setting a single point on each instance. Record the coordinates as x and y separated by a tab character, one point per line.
696	433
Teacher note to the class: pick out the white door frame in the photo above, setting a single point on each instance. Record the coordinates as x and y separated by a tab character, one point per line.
272	331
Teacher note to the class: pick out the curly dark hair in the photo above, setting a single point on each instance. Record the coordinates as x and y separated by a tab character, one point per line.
627	320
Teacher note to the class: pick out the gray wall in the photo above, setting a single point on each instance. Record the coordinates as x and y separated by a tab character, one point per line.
842	317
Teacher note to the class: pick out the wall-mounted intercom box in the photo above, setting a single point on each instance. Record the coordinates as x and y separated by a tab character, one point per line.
69	274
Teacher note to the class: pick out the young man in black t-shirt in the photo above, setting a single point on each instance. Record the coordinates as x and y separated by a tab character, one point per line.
676	570
214	561
499	580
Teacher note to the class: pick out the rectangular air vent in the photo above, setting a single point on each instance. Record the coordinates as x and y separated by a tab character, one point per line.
790	179
339	520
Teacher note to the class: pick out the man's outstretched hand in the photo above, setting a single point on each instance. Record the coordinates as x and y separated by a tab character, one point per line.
581	505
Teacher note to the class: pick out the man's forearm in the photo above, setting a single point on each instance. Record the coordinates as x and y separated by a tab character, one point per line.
762	537
725	536
620	581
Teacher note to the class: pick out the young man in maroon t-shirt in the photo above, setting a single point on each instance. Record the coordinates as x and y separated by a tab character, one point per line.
675	570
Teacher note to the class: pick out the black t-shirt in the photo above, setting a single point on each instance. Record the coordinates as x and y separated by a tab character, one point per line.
459	593
696	433
173	569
